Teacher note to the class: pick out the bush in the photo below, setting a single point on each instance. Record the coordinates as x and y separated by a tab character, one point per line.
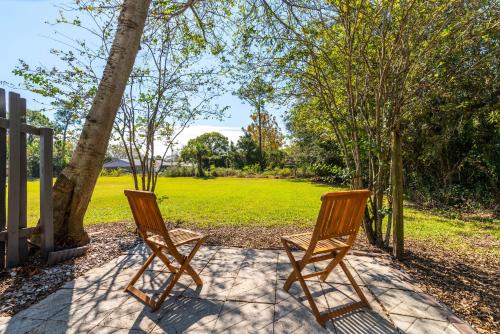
459	197
179	171
330	173
278	172
251	169
304	172
114	172
220	171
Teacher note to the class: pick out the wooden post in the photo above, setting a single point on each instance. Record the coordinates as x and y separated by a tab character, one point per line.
14	199
46	218
3	176
23	192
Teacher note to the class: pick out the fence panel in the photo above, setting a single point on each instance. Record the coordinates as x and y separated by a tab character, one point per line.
14	232
3	176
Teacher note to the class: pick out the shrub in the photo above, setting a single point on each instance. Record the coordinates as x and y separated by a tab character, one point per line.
284	172
304	171
114	172
179	171
251	169
278	172
330	173
220	171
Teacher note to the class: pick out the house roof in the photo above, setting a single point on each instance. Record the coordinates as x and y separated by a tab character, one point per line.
123	163
117	163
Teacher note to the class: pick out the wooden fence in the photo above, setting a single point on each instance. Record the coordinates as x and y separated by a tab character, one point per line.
14	232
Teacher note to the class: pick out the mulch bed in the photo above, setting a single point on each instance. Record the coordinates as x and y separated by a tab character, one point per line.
22	286
468	284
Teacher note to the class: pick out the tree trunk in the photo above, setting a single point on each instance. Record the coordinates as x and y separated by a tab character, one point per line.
397	194
201	172
63	145
261	157
74	186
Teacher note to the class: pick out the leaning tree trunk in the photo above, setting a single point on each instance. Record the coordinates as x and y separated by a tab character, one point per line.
74	186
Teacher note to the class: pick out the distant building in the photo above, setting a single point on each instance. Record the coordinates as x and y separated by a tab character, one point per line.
124	164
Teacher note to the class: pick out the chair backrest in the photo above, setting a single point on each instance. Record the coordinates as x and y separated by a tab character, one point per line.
146	213
341	214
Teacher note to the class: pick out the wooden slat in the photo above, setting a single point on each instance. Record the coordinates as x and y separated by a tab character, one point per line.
342	310
13	216
321	258
46	213
314	274
23	192
26	128
303	241
3	176
30	129
23	233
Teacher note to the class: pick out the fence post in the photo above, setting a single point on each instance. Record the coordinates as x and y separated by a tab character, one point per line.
3	175
14	180
46	214
23	167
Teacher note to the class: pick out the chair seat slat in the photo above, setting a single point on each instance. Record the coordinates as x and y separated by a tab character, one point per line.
303	241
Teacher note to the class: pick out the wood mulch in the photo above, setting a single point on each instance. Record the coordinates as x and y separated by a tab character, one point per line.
467	283
22	286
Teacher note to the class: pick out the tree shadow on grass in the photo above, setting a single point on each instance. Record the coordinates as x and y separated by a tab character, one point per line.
205	178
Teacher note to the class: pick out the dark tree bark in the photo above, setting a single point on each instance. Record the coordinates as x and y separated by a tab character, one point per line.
74	186
397	194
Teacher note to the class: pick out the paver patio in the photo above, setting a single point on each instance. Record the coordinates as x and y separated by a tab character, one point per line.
242	293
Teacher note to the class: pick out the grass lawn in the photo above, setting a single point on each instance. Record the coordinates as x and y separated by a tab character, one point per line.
262	202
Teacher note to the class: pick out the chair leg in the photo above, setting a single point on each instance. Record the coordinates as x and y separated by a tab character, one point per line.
163	257
297	274
355	285
289	281
167	262
185	266
338	258
141	271
350	307
136	292
194	275
292	277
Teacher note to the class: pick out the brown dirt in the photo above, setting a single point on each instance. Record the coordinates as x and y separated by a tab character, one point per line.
467	283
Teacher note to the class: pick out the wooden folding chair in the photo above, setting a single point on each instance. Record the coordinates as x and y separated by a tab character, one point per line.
155	234
340	216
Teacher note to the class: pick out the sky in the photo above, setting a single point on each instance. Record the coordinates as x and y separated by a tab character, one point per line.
26	35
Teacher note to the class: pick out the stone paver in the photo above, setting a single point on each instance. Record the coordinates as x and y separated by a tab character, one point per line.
242	293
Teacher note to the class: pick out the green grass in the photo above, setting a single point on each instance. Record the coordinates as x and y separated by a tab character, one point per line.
257	202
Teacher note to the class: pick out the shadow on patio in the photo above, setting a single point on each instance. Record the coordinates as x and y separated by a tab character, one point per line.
242	292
